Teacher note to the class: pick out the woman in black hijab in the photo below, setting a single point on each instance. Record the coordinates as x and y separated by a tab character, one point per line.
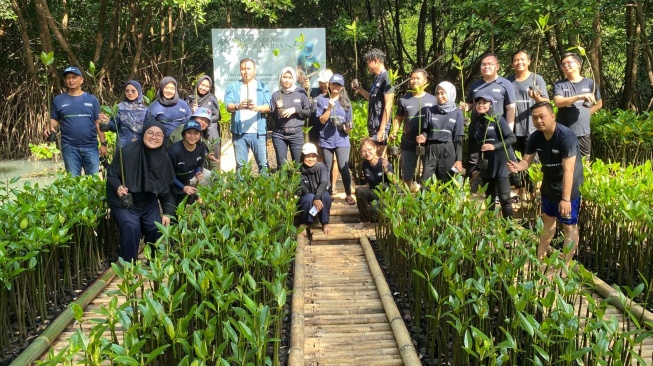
142	169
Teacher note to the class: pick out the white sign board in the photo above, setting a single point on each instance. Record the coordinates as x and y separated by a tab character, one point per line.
271	50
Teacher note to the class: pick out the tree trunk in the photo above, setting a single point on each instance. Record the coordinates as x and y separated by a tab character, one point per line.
29	58
632	55
42	8
594	52
648	54
99	35
171	30
46	46
140	35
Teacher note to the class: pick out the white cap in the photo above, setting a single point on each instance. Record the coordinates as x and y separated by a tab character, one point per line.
309	148
324	76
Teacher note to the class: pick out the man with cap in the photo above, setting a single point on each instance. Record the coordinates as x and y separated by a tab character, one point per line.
380	98
306	61
248	100
577	98
559	152
77	113
187	157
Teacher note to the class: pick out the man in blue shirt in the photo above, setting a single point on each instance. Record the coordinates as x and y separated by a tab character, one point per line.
248	100
77	113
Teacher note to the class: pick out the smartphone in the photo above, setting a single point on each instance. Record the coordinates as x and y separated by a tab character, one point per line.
313	211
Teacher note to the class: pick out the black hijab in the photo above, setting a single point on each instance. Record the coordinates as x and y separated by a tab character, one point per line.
159	94
145	169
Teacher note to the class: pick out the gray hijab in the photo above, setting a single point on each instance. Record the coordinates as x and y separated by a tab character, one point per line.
450	90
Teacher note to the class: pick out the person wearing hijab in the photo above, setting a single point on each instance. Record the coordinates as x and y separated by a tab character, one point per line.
493	139
204	98
442	132
140	169
313	191
289	109
168	108
187	157
128	122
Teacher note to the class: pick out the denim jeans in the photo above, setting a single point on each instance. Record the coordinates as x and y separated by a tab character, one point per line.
75	158
283	142
244	142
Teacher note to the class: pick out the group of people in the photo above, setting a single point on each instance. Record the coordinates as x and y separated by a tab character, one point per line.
164	150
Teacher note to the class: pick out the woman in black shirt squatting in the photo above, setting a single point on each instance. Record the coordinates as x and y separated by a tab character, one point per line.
378	172
313	191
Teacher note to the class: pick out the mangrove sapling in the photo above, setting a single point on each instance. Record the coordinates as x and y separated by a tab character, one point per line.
543	26
352	30
193	81
581	51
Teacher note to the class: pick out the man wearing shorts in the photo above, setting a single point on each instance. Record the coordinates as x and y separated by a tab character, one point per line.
562	167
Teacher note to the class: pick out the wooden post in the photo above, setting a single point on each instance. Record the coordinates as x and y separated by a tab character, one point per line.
296	352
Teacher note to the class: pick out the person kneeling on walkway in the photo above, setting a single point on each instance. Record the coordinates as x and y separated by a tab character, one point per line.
377	172
314	197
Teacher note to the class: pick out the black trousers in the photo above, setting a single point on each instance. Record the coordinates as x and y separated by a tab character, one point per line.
499	186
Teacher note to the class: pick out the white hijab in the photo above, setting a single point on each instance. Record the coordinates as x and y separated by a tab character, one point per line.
450	90
294	80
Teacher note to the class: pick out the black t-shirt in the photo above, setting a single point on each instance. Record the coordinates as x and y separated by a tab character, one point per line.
185	163
376	103
413	109
563	144
443	127
501	136
374	174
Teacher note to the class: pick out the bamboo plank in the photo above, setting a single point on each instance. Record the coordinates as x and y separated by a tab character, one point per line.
348	328
346	344
356	353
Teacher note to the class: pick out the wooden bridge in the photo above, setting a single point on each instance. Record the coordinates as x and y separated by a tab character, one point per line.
343	312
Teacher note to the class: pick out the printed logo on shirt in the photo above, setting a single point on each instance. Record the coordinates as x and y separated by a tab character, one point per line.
181	163
183	110
554	151
428	104
88	104
296	101
409	106
64	105
490	128
586	90
199	158
566	90
496	90
452	120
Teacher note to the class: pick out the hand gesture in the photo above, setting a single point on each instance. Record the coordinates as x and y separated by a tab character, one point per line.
487	147
288	112
420	139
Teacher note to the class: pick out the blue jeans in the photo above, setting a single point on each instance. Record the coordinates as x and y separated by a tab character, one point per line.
244	142
75	158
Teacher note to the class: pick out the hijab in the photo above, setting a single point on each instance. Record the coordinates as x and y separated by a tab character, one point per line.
159	94
202	98
293	73
139	90
145	169
450	90
131	113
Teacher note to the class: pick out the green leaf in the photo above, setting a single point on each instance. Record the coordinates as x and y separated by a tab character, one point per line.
78	312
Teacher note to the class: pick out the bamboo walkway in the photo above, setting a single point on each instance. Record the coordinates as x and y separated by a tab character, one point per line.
343	312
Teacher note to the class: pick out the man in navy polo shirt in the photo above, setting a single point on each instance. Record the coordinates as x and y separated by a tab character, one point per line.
558	149
78	115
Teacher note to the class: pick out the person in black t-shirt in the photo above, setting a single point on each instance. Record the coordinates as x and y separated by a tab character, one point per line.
558	149
187	157
380	98
378	173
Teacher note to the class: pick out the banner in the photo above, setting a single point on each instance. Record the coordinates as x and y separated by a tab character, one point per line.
271	50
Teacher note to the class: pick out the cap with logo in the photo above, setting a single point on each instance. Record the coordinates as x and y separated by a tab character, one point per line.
72	70
191	125
337	79
202	112
487	98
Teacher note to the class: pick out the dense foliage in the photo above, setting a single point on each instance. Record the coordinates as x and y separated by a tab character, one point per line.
54	240
146	40
214	290
476	290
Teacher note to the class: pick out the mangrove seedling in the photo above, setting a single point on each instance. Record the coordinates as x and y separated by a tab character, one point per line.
543	26
581	51
193	81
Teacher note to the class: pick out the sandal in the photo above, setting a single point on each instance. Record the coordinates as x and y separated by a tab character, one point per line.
350	200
